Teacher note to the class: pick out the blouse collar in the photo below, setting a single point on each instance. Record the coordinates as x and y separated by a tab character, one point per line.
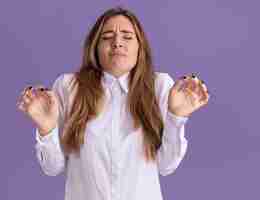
108	79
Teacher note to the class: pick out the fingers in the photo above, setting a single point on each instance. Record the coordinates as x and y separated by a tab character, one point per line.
30	94
204	94
205	99
191	96
179	84
24	98
42	92
196	88
21	106
185	82
24	92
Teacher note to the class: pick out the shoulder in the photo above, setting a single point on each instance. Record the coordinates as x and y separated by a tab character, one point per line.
163	81
163	85
64	80
64	87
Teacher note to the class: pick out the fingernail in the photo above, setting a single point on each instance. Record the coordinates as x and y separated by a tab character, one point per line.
30	87
193	75
184	77
42	89
202	81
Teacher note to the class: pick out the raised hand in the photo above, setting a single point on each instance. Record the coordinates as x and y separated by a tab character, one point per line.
187	95
41	105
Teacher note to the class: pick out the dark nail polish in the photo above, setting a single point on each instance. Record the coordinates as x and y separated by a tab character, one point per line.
184	77
42	89
193	76
202	81
29	88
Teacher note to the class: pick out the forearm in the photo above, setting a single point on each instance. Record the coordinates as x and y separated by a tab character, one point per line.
174	144
49	152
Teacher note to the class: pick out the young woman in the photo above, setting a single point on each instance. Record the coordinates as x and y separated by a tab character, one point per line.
115	124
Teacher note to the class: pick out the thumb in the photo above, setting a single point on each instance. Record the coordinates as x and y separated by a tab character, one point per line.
53	96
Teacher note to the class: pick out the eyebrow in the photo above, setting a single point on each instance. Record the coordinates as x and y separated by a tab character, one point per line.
123	31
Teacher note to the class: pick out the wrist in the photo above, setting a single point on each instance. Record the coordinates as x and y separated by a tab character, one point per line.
43	131
179	113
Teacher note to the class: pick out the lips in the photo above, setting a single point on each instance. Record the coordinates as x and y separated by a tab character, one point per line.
118	54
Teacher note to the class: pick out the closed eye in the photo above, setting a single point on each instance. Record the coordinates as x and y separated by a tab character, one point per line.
107	37
128	38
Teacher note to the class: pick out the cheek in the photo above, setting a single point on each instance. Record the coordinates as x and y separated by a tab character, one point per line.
134	52
102	53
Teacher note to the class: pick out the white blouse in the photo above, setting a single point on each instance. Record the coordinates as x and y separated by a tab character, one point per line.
112	165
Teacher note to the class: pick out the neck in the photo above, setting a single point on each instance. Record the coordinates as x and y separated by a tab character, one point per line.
116	74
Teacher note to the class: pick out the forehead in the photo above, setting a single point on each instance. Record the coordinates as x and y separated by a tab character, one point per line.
118	22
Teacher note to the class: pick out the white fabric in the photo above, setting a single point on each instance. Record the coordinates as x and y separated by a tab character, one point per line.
111	165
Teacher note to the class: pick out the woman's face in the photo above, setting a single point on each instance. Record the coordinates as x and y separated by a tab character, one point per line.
118	46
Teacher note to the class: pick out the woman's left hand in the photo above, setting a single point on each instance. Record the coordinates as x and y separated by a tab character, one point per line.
187	95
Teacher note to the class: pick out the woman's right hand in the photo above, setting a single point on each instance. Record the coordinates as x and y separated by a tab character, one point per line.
41	105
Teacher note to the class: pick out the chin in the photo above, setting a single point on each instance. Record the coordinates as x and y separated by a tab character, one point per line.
120	69
120	65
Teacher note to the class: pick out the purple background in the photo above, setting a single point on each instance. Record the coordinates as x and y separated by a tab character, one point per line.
218	40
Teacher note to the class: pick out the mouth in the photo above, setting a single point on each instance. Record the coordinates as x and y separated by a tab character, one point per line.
117	54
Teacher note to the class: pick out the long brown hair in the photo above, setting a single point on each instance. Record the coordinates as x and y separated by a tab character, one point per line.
141	99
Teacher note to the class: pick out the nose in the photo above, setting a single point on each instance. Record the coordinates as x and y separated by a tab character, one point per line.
117	43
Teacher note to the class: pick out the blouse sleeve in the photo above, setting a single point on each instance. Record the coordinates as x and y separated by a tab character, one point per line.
174	143
48	149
